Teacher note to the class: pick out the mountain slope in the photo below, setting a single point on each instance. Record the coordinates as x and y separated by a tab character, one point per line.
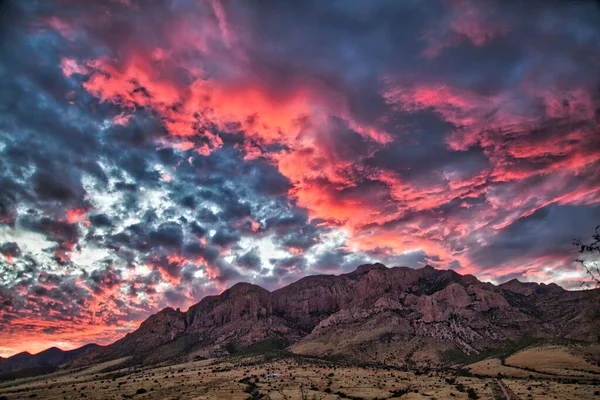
394	315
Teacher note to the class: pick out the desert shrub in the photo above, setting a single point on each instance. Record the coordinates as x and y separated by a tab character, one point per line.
472	394
140	391
342	395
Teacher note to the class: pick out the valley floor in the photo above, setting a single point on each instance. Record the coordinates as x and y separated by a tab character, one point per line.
561	374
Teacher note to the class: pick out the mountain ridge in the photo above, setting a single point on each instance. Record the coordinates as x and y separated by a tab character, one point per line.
393	315
50	357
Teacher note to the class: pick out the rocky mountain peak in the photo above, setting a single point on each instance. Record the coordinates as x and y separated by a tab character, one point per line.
365	268
529	288
428	269
374	310
243	288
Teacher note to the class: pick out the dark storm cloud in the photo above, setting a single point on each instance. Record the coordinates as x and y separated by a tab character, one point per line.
332	260
547	232
168	235
194	250
295	230
57	230
101	279
283	223
351	39
8	200
266	178
422	156
100	220
197	229
284	266
49	185
227	272
188	272
343	143
225	237
175	297
250	259
302	238
10	249
206	215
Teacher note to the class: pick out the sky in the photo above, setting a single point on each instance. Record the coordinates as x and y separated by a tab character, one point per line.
155	152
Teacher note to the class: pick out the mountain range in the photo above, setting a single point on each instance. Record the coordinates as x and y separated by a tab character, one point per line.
398	316
51	357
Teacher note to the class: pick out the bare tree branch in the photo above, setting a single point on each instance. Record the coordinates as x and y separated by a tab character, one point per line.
591	268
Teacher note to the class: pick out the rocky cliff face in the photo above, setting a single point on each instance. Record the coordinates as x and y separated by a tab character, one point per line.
394	315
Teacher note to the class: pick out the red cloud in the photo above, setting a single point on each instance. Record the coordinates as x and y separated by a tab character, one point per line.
77	215
344	191
529	131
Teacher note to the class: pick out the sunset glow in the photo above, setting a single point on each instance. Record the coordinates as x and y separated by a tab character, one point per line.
156	152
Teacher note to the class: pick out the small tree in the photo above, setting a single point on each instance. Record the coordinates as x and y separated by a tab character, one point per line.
590	266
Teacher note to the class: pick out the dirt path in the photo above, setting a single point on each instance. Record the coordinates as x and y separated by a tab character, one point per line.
506	391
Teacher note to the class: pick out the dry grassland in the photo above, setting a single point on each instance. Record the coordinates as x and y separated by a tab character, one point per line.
299	378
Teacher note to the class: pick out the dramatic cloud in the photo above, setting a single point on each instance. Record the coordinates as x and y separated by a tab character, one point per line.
152	153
